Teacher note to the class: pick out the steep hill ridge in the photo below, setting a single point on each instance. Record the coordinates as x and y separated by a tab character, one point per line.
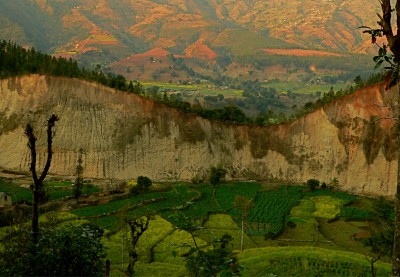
125	136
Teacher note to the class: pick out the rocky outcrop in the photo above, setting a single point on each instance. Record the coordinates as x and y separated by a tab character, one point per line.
124	136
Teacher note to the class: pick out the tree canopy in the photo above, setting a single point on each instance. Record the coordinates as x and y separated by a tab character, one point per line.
73	250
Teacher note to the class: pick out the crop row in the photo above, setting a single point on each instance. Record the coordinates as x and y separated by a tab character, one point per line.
307	261
196	210
272	206
223	201
303	266
353	213
226	194
55	190
173	199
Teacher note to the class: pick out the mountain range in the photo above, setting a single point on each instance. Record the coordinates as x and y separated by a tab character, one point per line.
108	31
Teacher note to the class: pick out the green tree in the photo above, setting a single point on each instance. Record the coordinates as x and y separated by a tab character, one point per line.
359	81
138	88
217	175
312	184
130	86
233	114
216	262
143	184
73	250
381	240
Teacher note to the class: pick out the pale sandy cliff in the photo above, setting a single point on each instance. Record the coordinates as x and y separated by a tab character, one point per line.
125	136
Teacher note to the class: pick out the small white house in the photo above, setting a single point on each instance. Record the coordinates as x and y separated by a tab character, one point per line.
5	200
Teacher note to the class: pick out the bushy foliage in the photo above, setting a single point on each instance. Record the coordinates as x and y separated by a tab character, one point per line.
384	209
144	182
353	213
60	251
16	60
217	174
142	185
381	241
312	184
208	263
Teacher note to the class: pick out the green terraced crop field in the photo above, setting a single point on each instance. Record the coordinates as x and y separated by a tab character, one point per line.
308	246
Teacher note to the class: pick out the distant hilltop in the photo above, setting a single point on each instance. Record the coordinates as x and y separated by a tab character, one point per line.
102	31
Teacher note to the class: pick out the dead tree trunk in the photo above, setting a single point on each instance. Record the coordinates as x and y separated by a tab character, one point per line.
37	185
138	227
394	45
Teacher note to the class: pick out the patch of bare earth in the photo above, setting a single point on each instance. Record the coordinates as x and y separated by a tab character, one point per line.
301	52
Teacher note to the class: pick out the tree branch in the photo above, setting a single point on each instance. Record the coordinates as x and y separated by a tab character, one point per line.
398	15
385	23
385	19
32	146
50	124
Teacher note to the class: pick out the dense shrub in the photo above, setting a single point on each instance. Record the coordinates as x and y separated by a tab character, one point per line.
143	185
144	182
217	175
60	251
353	213
312	184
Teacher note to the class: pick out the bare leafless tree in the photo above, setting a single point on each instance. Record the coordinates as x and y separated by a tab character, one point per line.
138	226
37	186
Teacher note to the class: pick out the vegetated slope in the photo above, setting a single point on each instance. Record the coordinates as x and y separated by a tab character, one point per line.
142	25
124	136
215	37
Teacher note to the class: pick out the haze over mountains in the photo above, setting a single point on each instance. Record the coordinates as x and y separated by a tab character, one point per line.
107	31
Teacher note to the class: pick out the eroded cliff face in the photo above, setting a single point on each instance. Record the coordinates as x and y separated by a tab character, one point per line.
125	136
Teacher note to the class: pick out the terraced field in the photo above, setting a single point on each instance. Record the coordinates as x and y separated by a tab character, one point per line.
305	241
